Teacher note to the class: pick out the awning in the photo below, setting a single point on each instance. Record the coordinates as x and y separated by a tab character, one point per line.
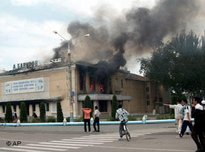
103	97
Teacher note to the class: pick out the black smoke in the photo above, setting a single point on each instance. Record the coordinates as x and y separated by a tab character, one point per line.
138	29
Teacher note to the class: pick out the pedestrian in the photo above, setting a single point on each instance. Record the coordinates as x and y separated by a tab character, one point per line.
186	110
177	114
96	119
198	128
122	115
86	118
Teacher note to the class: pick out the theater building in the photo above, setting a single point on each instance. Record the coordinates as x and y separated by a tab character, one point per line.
71	84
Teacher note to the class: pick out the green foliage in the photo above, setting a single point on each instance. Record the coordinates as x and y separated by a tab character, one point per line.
1	120
42	112
59	112
179	64
23	113
8	115
132	118
165	116
114	106
87	103
35	120
52	119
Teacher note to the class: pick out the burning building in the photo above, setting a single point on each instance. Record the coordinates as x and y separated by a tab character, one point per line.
113	41
51	83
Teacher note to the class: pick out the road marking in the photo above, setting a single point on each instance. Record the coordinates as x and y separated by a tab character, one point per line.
21	150
145	149
43	148
65	144
89	140
78	142
70	147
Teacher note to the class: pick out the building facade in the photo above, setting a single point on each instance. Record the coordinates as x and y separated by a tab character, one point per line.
69	85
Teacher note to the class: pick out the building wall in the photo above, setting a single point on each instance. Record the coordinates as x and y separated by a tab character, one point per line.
145	95
55	88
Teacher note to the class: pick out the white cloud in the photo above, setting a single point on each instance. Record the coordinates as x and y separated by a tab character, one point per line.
23	40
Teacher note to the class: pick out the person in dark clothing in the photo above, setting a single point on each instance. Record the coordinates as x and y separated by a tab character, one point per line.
199	124
96	119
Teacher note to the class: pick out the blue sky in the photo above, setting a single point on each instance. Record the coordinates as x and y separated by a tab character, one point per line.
26	26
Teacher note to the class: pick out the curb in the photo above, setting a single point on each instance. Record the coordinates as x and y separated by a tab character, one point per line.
81	123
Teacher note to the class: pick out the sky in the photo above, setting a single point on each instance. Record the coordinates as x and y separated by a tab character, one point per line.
27	25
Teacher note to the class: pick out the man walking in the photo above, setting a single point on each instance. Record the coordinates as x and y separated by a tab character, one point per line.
187	118
96	119
177	114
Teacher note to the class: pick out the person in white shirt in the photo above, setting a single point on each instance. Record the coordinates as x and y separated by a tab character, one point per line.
96	120
177	114
122	115
187	118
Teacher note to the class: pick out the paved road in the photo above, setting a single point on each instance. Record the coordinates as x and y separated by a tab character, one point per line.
145	138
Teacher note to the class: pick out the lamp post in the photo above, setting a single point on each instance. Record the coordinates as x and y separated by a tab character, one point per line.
70	72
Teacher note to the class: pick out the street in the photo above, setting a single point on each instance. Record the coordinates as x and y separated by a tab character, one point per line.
145	138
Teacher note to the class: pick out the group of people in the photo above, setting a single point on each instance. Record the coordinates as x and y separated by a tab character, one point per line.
183	116
121	115
87	117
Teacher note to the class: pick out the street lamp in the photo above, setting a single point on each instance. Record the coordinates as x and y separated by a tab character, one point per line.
69	70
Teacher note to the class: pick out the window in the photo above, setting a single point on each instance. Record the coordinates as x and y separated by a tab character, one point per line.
121	83
4	108
103	106
14	106
34	107
47	106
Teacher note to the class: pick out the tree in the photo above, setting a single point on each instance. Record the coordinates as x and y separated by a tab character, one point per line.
87	103
42	112
8	115
23	113
59	112
114	106
178	64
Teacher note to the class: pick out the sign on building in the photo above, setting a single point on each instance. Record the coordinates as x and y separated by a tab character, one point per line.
24	86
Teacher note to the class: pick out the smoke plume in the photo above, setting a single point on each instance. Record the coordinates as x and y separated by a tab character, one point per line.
136	31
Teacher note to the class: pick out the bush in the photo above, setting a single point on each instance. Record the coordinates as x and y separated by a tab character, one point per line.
59	112
111	119
35	120
132	118
8	115
1	120
51	119
42	112
80	119
165	116
23	114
